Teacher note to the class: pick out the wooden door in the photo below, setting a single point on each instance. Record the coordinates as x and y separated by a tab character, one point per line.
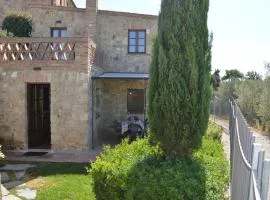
39	125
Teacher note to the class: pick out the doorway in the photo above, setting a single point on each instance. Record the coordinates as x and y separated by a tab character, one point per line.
39	122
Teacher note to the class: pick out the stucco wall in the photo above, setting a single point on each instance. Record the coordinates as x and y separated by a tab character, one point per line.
112	40
69	107
110	103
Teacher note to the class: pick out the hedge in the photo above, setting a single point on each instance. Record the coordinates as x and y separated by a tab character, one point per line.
140	171
18	24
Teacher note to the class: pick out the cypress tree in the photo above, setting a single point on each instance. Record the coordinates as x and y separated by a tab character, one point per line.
180	74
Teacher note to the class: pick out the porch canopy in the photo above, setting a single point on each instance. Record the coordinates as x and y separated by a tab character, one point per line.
122	75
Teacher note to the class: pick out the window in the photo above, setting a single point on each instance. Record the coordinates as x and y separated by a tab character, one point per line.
61	3
58	32
60	53
136	41
135	101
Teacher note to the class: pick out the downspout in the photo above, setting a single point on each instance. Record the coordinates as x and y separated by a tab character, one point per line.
93	88
144	102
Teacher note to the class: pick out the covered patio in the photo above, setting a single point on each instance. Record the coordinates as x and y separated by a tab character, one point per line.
116	96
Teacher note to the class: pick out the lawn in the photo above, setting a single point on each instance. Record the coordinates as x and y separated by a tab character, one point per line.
61	181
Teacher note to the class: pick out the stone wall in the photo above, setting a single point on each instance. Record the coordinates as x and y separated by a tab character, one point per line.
8	6
69	107
45	18
112	40
47	15
110	103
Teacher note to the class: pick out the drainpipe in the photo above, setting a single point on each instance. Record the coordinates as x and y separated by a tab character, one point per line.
144	102
93	115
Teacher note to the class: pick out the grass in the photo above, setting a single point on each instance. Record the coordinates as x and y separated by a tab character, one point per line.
65	181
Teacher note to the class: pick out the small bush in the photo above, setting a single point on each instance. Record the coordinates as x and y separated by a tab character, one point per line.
1	154
3	33
19	24
1	157
140	171
214	132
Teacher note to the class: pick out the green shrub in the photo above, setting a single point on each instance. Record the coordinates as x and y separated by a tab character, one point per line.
1	154
19	24
3	33
214	132
1	157
249	92
140	171
264	106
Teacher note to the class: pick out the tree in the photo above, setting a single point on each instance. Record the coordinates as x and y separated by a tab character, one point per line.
249	92
18	24
264	105
267	68
232	75
253	75
180	73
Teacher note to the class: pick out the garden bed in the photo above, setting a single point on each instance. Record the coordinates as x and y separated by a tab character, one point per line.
140	171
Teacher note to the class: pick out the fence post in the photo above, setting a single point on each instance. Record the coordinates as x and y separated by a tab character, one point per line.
265	193
255	157
260	170
256	148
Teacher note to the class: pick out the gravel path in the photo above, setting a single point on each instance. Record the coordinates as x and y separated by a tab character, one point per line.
261	139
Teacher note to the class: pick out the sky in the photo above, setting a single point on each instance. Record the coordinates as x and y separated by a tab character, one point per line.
240	27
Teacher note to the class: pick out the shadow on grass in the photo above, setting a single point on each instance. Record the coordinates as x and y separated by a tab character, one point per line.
51	169
156	178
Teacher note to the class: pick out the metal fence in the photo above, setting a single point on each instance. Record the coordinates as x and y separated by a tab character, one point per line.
250	171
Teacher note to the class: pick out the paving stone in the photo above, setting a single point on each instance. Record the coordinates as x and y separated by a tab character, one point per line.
27	193
13	184
16	167
10	197
4	177
20	175
4	191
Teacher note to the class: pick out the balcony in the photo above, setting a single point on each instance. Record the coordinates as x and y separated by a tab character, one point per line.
69	52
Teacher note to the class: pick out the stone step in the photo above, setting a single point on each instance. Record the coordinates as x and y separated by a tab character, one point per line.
16	167
8	176
27	193
4	191
4	177
10	197
13	184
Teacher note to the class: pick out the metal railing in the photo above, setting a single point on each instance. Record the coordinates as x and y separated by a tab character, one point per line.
250	171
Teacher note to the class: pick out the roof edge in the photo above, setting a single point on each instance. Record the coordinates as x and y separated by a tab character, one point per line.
108	76
73	3
128	14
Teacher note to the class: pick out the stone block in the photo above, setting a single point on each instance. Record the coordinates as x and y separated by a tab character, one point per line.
4	177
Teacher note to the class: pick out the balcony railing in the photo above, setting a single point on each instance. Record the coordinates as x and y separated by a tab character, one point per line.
27	49
51	51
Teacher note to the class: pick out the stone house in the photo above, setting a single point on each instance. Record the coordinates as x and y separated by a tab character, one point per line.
82	69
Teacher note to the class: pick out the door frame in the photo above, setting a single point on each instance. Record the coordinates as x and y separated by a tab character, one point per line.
27	141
